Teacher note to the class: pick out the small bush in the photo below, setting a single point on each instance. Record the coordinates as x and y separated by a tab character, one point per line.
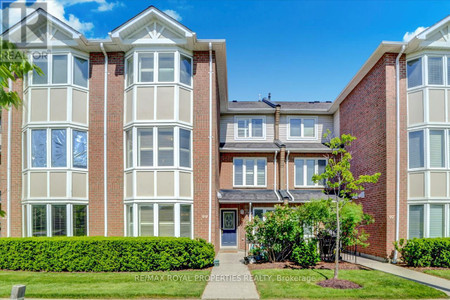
306	254
426	252
101	254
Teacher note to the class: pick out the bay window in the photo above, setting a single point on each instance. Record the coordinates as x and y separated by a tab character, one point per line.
185	148
185	69
59	70
437	220
146	220
146	67
39	148
414	72
59	148
145	147
130	70
435	70
42	63
416	221
166	67
80	71
130	220
437	149
250	127
166	220
79	149
39	220
79	220
128	149
185	220
305	169
165	147
416	149
249	172
302	127
59	220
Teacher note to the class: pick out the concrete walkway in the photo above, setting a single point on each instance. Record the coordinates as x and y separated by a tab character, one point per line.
430	280
230	280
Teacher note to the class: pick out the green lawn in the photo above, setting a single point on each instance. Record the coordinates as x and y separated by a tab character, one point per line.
441	273
302	284
182	284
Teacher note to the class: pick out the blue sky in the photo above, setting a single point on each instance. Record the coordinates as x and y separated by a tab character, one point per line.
297	50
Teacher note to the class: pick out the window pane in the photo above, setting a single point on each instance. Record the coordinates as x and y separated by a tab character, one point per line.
416	150
257	127
415	221
59	148
146	220
259	212
261	171
243	128
414	71
448	71
322	164
249	172
130	73
435	70
185	220
130	220
146	63
42	63
39	220
80	71
238	172
166	220
299	164
145	147
185	69
165	146
59	220
25	150
310	171
59	69
185	148
308	127
295	127
437	148
79	149
79	220
39	148
129	148
166	67
437	220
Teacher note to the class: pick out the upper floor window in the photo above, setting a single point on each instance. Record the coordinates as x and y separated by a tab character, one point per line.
306	168
302	127
414	72
166	67
249	172
416	150
249	127
146	67
80	71
435	70
185	69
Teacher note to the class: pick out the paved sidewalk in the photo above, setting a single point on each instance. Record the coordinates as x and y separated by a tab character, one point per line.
230	280
432	281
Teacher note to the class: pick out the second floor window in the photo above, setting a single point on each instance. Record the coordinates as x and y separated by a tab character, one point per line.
302	128
416	150
305	170
414	71
250	172
250	128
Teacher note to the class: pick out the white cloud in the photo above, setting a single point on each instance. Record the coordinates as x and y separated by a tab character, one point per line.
410	35
173	14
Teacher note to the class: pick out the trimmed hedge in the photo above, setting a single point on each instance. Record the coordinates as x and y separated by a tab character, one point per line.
426	252
103	254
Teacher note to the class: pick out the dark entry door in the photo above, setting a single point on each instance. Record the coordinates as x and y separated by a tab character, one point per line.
228	226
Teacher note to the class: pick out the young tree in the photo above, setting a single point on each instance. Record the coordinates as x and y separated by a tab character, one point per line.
340	184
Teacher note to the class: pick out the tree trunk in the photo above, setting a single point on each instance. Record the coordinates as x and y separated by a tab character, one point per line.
336	259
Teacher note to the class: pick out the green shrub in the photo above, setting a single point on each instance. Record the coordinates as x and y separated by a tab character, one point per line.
429	252
101	254
305	254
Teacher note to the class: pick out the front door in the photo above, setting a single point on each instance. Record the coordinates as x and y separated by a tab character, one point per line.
228	228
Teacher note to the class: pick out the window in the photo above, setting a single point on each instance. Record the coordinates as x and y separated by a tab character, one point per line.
437	221
146	220
59	72
437	151
260	212
59	220
250	127
185	148
435	70
166	67
414	72
79	220
80	71
39	220
130	70
129	212
165	147
166	220
416	221
146	67
250	172
416	150
59	148
42	63
145	147
185	69
39	148
79	149
129	149
305	169
302	128
185	220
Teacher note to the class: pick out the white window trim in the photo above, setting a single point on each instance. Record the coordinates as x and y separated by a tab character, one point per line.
443	70
264	209
255	174
305	171
302	137
424	69
249	118
426	221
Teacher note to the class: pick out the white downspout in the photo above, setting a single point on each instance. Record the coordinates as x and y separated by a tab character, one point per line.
275	176
397	181
8	167
287	175
105	139
210	145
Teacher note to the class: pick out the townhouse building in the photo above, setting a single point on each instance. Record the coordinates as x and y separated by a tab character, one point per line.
135	135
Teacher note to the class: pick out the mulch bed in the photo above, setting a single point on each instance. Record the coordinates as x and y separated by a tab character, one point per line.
290	265
339	284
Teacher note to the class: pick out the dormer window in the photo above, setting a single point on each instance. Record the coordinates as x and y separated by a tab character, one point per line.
300	128
249	127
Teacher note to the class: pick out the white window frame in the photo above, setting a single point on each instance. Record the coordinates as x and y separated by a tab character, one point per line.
427	217
264	209
424	70
255	176
249	120
443	58
425	149
302	137
305	171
